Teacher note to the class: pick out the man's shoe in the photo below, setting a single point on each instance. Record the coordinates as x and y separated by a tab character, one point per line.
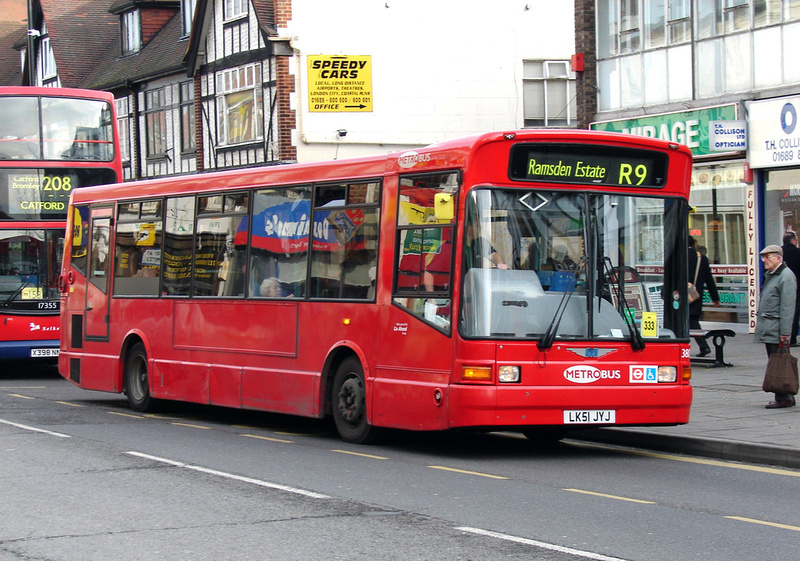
704	353
779	404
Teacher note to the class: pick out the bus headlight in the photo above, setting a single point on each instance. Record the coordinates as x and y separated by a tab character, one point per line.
667	374
508	374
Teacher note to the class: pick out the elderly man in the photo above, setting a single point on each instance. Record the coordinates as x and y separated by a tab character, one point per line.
776	310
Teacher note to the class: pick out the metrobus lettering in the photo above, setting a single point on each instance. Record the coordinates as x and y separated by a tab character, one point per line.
589	374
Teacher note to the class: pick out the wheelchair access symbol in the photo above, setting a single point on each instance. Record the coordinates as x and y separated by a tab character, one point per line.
643	374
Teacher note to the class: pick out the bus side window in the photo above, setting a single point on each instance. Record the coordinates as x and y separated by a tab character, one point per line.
219	261
345	234
138	249
279	241
178	236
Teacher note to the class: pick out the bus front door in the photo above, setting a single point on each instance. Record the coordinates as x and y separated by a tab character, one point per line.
97	289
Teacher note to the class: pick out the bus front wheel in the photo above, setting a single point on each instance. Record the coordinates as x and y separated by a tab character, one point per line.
137	380
349	401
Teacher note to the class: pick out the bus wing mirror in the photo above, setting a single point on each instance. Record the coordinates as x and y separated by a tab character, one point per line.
443	207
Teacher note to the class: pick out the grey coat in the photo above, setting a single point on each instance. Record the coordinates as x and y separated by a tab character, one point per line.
776	305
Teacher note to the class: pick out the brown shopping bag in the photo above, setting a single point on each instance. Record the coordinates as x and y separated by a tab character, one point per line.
781	374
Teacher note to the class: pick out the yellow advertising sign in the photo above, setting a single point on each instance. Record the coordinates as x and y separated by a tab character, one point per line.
339	83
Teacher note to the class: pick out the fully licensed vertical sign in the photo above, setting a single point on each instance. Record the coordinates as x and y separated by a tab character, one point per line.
339	83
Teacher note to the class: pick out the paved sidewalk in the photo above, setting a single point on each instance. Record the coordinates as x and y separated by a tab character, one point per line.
728	419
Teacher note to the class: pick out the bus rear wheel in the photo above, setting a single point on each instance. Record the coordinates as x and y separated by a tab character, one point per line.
137	385
349	401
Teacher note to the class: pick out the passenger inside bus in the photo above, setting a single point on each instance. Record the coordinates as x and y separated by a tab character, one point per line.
271	288
479	252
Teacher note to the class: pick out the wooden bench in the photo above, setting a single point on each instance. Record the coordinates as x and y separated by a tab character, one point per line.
717	337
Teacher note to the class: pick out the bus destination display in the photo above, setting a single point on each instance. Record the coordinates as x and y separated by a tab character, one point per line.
590	165
43	193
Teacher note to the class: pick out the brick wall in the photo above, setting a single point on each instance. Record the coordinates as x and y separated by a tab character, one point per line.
585	41
153	19
287	120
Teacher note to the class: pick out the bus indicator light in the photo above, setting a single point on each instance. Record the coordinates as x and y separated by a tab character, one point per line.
346	321
476	373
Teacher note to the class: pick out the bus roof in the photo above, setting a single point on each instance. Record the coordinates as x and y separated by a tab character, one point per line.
55	92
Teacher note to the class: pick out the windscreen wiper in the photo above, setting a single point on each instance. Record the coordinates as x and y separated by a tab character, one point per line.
19	290
550	334
637	342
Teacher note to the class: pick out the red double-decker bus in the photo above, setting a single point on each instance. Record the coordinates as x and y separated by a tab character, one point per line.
52	141
532	281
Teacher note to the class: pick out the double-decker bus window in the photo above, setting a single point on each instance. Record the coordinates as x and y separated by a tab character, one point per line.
425	241
20	134
138	239
218	265
77	129
279	242
178	237
344	254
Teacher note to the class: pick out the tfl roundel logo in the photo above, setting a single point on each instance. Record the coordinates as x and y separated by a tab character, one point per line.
643	374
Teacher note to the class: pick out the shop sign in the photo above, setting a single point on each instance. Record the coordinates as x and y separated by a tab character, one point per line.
774	137
724	136
684	127
339	83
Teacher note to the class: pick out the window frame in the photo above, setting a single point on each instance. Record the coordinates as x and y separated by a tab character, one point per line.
547	83
131	32
156	122
47	60
235	9
188	118
234	82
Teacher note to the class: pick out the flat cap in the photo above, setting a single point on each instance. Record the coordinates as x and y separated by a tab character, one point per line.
772	249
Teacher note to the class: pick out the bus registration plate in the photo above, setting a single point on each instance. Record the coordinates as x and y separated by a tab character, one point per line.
39	353
589	416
